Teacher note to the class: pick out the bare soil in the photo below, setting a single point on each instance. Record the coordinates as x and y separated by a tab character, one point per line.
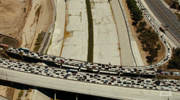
10	93
169	2
134	34
12	17
161	53
8	40
45	19
15	14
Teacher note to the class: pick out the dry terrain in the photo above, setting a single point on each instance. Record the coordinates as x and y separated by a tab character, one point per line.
24	19
7	92
13	94
39	19
8	40
161	53
134	34
169	2
13	16
44	20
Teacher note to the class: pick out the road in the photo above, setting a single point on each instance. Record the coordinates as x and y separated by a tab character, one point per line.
124	93
58	34
127	58
134	48
166	17
47	37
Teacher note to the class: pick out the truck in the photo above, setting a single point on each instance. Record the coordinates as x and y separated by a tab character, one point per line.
72	70
24	49
4	45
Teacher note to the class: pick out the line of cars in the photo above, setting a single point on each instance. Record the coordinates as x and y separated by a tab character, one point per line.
74	62
94	66
149	19
72	74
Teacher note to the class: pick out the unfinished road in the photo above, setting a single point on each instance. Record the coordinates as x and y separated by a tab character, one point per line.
106	42
110	42
126	53
56	44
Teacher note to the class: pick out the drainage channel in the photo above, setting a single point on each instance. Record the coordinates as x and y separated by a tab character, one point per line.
90	32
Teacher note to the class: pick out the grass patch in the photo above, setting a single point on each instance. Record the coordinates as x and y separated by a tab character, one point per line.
9	41
38	11
29	90
167	77
55	18
39	41
20	94
49	46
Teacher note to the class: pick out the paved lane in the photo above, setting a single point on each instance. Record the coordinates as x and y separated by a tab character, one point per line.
127	58
125	93
166	17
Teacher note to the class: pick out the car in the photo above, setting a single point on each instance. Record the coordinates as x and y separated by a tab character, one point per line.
116	84
124	82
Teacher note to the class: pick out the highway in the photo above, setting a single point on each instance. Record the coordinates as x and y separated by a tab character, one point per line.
115	92
82	87
166	17
125	44
125	40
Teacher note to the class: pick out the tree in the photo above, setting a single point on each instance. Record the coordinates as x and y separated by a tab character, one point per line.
174	63
158	47
175	5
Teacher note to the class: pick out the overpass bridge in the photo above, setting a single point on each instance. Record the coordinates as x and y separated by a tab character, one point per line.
115	92
81	87
93	84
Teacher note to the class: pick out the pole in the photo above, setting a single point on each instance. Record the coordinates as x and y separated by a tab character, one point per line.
55	95
76	96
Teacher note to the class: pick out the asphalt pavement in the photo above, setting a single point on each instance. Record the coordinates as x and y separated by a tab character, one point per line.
166	17
127	58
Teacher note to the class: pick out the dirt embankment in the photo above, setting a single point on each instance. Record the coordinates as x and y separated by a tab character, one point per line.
161	53
44	20
13	16
19	19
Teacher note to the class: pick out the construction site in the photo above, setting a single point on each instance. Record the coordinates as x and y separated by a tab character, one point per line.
22	20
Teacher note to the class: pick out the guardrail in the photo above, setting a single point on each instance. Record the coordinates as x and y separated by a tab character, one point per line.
40	74
128	29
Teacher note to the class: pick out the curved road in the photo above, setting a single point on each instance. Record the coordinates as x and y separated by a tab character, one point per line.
166	17
47	37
